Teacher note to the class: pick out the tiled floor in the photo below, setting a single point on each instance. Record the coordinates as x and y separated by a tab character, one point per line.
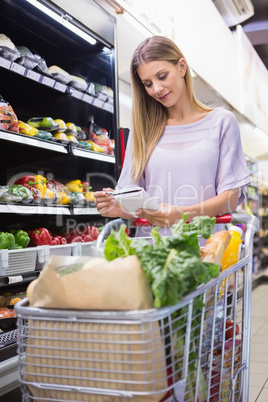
258	383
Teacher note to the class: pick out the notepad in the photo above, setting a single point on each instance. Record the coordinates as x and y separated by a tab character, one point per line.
133	198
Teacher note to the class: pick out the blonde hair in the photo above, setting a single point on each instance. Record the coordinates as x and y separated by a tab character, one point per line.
149	117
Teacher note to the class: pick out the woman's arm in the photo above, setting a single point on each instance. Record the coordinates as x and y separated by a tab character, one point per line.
168	214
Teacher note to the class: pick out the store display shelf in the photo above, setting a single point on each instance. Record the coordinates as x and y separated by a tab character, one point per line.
52	83
93	155
52	146
47	209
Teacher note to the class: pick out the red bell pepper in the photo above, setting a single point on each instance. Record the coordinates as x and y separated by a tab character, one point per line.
61	239
85	186
87	238
75	239
55	241
27	181
40	237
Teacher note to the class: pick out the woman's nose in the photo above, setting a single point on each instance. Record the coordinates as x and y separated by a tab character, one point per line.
157	87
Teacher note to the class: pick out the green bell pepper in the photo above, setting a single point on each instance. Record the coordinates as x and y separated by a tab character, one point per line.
10	239
3	241
21	238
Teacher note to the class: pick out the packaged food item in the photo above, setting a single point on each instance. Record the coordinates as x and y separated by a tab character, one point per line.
71	129
43	123
59	74
8	118
27	58
62	125
78	83
61	136
231	255
25	128
8	49
44	135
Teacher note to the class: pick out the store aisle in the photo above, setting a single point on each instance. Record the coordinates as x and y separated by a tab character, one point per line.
258	384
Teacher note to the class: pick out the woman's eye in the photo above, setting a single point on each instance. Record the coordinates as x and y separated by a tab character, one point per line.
147	84
162	77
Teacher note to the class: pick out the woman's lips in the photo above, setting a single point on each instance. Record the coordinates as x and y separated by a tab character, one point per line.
163	98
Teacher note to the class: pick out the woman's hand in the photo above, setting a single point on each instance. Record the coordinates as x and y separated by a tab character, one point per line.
166	215
108	206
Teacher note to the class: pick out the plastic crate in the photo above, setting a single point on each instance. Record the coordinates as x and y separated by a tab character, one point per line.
87	249
18	261
45	252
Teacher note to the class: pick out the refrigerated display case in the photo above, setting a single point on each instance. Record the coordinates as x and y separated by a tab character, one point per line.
53	37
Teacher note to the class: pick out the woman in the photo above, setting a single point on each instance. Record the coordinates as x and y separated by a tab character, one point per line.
187	156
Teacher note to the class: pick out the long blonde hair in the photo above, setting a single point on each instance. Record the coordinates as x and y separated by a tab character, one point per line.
149	117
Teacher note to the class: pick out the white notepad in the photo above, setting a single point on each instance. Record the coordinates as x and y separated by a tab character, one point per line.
134	198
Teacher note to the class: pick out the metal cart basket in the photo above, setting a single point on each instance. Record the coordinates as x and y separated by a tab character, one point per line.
197	350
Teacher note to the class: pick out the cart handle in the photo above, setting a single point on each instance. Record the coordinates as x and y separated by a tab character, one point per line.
219	219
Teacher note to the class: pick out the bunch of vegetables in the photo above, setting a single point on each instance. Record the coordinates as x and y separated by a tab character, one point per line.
37	188
173	268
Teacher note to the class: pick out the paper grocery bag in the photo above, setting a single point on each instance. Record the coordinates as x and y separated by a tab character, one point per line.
91	283
108	357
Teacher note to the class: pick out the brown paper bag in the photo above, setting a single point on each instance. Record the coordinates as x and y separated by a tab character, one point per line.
98	284
109	355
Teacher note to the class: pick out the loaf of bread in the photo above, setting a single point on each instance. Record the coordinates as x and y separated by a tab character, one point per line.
215	247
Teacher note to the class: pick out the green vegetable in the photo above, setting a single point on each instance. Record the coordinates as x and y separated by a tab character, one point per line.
3	241
10	241
77	197
20	191
21	238
17	247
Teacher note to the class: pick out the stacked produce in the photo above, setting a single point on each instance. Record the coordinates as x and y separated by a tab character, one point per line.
37	189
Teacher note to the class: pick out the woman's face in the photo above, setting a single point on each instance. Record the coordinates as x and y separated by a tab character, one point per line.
164	81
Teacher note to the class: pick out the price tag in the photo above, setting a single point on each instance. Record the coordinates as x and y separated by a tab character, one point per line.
60	87
48	81
18	68
5	63
33	75
108	107
77	94
87	98
98	103
15	279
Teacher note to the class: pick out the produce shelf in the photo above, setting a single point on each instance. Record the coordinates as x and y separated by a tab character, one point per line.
52	83
47	209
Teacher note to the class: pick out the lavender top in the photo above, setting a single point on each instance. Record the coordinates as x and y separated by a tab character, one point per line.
194	162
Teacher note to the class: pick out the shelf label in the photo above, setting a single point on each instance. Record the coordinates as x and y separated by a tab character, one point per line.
77	94
108	107
98	103
87	98
60	87
18	68
5	63
48	81
15	279
33	75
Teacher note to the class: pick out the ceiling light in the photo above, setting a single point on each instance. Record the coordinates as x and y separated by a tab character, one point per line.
63	20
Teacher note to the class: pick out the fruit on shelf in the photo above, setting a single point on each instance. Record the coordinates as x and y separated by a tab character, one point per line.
27	129
43	123
62	125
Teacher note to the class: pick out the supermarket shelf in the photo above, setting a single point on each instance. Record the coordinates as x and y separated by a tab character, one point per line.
35	142
52	83
52	146
47	209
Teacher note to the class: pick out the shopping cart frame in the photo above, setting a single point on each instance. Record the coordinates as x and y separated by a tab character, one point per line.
25	313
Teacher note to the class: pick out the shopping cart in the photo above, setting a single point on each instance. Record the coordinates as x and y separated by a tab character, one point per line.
187	352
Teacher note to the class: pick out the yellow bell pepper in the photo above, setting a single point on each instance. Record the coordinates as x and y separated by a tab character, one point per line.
50	194
89	196
41	184
25	128
75	186
95	147
63	198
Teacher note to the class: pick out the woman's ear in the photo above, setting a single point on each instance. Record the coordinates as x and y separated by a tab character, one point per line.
182	66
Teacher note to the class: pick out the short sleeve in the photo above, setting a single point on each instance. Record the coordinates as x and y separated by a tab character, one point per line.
125	179
232	169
